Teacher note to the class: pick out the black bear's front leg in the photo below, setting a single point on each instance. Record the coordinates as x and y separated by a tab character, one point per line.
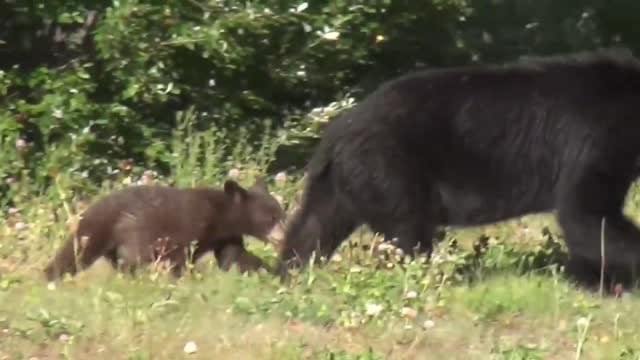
233	252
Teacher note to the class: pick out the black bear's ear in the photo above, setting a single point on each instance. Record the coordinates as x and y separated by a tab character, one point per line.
234	189
260	185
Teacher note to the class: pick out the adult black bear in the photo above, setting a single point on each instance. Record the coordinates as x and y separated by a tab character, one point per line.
475	145
143	223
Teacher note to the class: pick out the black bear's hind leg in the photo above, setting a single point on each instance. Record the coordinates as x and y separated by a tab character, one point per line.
580	214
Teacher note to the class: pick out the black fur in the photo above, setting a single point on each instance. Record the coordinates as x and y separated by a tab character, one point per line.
234	253
476	145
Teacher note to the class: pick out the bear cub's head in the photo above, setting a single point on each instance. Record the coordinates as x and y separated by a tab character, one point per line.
256	211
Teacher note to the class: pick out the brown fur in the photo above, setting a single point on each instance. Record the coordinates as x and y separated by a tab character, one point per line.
142	224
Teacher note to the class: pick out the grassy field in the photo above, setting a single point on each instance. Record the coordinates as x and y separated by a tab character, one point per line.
508	302
358	306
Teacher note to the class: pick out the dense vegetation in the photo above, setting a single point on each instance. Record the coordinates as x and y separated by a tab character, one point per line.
98	95
90	85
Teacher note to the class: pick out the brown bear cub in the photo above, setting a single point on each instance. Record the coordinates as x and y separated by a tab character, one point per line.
144	224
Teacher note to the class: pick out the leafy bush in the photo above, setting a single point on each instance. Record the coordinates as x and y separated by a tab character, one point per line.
93	87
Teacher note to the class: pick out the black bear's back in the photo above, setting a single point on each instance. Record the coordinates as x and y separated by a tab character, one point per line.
498	136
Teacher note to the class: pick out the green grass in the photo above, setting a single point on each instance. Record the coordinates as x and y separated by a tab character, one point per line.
509	302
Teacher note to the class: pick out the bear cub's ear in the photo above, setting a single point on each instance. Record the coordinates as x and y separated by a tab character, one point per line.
234	190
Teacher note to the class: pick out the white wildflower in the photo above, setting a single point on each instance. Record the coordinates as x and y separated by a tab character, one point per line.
428	324
373	309
411	295
234	173
190	347
409	313
331	35
281	178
